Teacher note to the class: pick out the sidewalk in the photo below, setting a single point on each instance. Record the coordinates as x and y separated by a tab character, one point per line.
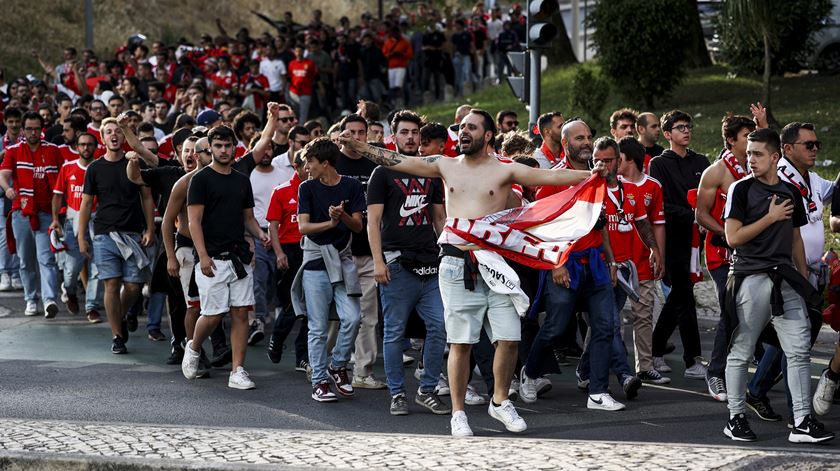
54	443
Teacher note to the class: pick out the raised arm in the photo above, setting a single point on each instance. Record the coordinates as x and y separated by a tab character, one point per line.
145	154
132	169
419	166
527	176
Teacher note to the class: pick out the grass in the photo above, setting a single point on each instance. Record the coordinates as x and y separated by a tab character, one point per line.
706	94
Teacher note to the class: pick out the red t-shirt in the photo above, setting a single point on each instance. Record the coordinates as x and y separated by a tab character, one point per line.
624	238
650	192
256	81
716	256
222	81
45	153
283	208
68	153
71	183
302	77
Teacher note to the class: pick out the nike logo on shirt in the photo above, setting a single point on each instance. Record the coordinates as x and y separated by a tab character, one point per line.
408	212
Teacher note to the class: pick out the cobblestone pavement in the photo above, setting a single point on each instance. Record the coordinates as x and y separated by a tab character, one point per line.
210	447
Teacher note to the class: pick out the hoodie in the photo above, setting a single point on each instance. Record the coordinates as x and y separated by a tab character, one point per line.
678	175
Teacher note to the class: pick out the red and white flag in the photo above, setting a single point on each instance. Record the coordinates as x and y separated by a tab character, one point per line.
539	233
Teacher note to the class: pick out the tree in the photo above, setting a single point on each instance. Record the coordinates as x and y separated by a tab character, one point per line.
776	31
698	53
561	51
642	45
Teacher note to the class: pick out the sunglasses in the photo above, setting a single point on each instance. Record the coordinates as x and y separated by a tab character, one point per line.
511	123
287	120
811	145
684	127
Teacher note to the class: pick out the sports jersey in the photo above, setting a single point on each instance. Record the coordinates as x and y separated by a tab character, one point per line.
71	184
650	192
623	206
283	207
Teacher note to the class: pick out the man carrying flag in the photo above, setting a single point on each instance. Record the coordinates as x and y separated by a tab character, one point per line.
477	286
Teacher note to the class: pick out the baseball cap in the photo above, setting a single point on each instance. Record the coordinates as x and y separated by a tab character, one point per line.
207	117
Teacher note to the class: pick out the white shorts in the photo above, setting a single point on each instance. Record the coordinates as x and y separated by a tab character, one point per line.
396	77
186	260
223	290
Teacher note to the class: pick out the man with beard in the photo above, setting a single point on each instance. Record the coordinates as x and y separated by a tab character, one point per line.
124	210
285	121
179	245
404	213
648	129
73	126
623	123
33	165
586	278
550	153
69	187
220	210
9	263
477	184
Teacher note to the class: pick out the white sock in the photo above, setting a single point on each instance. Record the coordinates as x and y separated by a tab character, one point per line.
797	421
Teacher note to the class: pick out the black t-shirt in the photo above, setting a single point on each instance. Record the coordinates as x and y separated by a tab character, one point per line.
655	150
359	169
315	199
279	149
161	180
118	205
748	201
461	42
407	218
245	165
224	198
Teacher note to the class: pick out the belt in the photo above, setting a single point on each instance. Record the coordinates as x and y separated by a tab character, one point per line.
470	265
238	266
182	241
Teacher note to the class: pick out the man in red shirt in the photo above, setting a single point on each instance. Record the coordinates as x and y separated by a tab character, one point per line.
69	187
285	239
73	127
223	80
398	51
649	267
301	82
33	165
550	152
253	88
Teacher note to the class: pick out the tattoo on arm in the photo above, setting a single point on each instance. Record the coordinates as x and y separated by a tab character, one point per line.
646	233
430	159
381	156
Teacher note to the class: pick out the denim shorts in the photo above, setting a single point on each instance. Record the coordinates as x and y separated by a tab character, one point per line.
466	312
110	263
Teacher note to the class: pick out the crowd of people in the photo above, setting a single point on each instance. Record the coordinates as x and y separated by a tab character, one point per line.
180	195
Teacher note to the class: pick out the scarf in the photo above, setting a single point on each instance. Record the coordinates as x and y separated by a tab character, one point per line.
695	271
788	172
26	162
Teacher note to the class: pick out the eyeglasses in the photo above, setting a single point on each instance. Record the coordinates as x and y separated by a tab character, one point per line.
811	145
511	123
683	127
287	120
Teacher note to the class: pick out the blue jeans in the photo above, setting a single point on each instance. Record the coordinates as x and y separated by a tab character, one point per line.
73	263
320	293
560	306
110	262
9	262
618	361
264	270
463	71
405	292
33	248
771	364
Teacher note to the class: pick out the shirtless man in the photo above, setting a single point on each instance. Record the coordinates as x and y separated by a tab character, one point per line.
476	185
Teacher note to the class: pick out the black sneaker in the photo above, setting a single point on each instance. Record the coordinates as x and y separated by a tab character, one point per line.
255	333
275	349
762	408
302	366
118	346
131	321
124	331
810	431
739	429
399	406
156	335
221	356
561	358
631	385
176	357
431	401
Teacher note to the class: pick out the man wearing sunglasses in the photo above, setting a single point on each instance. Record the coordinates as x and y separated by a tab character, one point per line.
286	120
799	155
506	121
679	170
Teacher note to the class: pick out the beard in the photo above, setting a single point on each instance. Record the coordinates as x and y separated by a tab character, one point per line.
474	147
580	155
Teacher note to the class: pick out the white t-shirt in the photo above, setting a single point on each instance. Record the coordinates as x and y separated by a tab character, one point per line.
262	184
274	70
282	164
813	233
494	29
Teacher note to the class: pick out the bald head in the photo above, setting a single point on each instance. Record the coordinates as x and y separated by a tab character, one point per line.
461	112
574	127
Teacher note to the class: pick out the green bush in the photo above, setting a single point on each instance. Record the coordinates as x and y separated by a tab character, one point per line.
589	93
795	21
642	45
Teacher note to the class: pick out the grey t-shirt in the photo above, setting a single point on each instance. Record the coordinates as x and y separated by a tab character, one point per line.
748	201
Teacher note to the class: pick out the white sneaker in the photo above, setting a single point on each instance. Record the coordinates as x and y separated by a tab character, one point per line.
189	365
513	390
442	388
50	309
603	402
17	285
407	359
473	398
660	365
5	282
696	371
239	379
459	425
543	385
507	415
31	309
418	372
527	388
824	395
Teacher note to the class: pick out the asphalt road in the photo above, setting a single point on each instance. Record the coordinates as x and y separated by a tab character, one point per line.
62	369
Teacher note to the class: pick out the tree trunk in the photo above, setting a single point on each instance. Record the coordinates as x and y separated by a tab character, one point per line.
697	55
561	51
765	82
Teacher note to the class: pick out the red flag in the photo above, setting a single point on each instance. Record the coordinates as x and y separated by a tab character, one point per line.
539	233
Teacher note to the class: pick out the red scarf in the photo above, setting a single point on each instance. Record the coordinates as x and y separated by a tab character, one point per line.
47	156
732	164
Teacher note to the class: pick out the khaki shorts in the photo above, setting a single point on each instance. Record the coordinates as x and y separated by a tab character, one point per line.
223	290
466	312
